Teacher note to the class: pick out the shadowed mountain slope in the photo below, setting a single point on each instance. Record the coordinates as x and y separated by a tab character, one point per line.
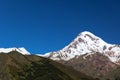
15	66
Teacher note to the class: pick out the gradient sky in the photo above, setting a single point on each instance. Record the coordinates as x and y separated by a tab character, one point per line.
48	25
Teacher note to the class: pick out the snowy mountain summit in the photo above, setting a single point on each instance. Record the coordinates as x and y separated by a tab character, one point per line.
86	44
20	50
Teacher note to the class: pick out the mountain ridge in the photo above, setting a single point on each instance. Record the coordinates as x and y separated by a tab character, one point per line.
86	54
21	50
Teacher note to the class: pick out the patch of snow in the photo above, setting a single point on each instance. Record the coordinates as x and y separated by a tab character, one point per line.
44	55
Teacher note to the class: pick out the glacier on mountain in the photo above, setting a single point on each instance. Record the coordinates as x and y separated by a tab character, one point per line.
86	43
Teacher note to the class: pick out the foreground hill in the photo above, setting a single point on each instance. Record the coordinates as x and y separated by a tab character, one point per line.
15	66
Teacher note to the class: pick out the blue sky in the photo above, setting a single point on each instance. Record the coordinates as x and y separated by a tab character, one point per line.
48	25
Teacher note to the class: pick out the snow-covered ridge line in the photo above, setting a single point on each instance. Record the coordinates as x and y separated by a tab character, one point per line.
86	43
21	50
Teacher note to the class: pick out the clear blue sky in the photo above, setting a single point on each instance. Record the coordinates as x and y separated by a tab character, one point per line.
48	25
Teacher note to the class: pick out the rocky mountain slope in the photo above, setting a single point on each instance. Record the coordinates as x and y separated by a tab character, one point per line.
95	65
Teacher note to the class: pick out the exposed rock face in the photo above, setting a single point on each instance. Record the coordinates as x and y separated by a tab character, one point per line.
96	65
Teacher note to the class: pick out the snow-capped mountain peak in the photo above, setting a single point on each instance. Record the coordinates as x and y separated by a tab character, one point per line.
85	40
20	50
86	43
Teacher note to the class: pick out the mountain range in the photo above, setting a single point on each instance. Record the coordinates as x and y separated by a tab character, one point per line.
87	57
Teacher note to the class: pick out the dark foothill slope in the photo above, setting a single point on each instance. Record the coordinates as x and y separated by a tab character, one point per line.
15	66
